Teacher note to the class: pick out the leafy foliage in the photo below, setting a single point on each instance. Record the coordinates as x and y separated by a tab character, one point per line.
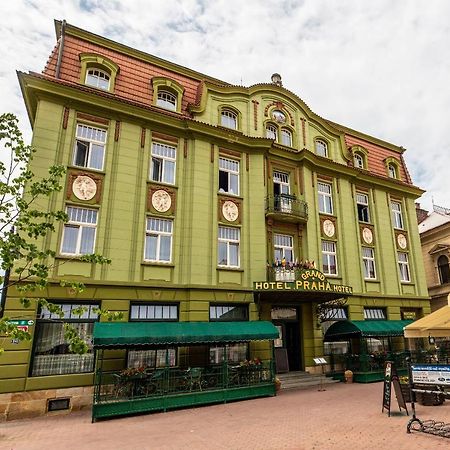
27	266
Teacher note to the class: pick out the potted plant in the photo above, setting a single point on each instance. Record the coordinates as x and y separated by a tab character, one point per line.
348	375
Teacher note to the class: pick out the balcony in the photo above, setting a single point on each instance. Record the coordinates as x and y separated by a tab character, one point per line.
288	273
286	208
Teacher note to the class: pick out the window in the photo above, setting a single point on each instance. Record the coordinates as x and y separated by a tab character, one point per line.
362	204
281	191
79	231
444	269
403	266
97	78
51	354
374	314
392	171
236	353
283	247
166	100
286	137
228	255
228	119
358	161
152	358
89	147
162	165
321	147
335	314
325	198
228	313
272	132
329	263
397	217
153	311
229	176
158	240
369	263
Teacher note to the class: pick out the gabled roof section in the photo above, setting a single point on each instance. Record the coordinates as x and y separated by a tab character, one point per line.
439	248
435	219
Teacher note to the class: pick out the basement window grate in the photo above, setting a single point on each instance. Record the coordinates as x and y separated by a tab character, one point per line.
58	404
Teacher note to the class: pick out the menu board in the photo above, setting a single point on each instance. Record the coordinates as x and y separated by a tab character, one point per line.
430	374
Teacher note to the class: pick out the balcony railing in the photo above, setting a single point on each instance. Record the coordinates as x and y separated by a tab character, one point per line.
288	272
287	207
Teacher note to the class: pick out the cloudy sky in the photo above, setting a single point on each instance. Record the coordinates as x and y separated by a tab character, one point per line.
380	66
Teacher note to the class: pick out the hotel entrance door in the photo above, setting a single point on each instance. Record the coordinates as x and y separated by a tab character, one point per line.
287	346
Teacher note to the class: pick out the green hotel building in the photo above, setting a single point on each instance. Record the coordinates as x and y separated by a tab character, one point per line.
216	203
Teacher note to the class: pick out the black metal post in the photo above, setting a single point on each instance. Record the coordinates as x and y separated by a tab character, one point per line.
4	291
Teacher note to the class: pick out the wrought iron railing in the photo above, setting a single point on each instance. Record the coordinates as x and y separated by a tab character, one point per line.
113	386
288	272
288	205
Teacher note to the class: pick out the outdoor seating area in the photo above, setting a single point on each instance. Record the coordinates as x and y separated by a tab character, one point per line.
143	389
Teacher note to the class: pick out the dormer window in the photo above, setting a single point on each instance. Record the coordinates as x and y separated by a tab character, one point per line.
392	171
229	119
272	132
358	161
97	78
321	147
286	137
166	100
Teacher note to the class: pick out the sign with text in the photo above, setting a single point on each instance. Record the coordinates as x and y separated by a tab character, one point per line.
306	280
430	374
22	323
391	378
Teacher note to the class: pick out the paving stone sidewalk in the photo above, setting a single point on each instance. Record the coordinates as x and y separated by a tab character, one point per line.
342	417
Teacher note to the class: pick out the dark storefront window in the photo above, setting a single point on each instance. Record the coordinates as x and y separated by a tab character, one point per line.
234	313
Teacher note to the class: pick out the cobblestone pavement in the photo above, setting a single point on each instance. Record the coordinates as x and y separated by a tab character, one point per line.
342	417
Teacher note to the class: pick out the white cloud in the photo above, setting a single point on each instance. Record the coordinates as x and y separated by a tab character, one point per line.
378	67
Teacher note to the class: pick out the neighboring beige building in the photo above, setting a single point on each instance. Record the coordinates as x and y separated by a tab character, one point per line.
435	238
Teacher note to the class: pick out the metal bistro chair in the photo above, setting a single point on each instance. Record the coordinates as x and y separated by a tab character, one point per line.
195	378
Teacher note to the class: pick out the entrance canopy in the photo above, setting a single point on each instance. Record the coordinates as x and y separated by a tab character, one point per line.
136	334
436	324
346	329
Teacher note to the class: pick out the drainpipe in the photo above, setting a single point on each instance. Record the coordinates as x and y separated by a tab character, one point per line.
60	49
4	291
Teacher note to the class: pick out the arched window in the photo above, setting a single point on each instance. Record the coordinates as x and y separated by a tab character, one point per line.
321	148
166	100
286	137
272	132
444	269
392	170
358	160
228	119
97	78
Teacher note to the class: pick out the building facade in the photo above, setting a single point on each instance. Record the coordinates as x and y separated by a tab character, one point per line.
214	202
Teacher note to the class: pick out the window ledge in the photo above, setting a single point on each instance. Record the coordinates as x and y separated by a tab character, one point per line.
161	183
230	269
89	169
156	263
71	258
229	194
371	280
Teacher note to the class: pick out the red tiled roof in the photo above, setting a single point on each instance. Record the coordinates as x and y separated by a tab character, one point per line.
376	157
133	81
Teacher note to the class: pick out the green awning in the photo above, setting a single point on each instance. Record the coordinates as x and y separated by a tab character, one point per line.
135	334
345	329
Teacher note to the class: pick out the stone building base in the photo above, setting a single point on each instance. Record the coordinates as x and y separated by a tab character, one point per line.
21	405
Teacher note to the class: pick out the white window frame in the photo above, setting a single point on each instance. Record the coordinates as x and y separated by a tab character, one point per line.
155	312
229	118
321	147
272	132
329	252
403	266
159	229
90	138
283	204
286	137
362	204
94	77
392	171
232	169
368	257
165	155
283	244
166	99
83	219
225	237
397	215
325	192
374	314
358	161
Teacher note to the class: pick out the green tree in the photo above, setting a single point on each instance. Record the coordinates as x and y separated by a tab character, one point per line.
24	263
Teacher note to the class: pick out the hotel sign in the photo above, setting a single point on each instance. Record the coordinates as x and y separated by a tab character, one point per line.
307	281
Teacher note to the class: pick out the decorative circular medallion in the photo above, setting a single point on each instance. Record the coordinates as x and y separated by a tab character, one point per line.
278	116
328	228
84	187
161	200
367	235
401	240
230	211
